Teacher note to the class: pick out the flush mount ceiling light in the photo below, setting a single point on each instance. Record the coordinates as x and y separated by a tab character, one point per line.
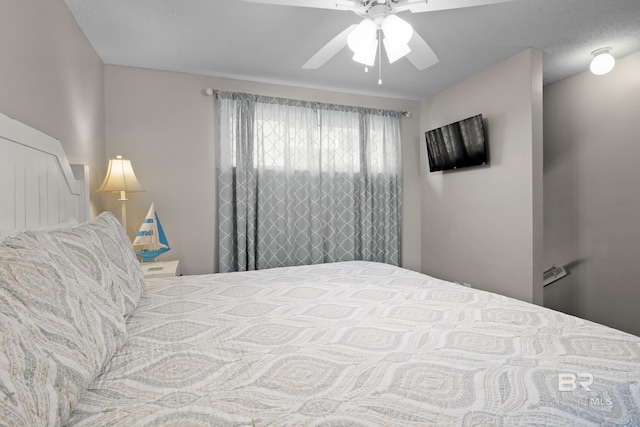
602	61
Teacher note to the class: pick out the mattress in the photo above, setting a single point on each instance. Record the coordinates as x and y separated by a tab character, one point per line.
358	344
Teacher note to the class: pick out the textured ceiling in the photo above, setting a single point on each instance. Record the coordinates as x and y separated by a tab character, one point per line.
265	43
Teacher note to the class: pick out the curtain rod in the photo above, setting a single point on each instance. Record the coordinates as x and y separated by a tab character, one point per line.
210	92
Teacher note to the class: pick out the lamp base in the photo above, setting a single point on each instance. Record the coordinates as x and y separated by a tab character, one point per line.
123	211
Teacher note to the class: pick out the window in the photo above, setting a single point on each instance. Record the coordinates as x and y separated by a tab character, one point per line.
304	182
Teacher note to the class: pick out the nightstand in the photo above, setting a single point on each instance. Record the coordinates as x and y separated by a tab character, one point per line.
161	268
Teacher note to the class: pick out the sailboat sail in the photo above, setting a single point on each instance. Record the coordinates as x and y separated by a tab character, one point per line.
151	238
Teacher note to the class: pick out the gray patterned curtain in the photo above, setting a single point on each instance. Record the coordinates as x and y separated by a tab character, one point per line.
305	183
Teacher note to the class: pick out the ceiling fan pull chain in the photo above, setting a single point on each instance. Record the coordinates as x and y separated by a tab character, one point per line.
379	57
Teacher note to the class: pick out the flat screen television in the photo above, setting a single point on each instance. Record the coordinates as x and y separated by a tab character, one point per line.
457	145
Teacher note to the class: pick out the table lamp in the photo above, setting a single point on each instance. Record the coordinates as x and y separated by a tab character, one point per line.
120	179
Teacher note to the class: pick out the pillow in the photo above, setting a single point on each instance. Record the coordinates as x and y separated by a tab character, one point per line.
63	329
101	249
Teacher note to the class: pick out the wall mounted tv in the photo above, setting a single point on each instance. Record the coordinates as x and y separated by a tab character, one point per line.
457	145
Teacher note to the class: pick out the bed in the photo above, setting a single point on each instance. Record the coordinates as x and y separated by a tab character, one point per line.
86	341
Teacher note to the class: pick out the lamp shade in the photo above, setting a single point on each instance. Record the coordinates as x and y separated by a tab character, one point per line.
367	55
395	52
602	61
360	39
397	30
120	177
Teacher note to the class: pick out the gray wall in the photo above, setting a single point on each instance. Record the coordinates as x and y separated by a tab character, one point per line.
591	194
483	225
53	80
162	122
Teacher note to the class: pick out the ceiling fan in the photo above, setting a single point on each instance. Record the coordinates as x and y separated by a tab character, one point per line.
380	26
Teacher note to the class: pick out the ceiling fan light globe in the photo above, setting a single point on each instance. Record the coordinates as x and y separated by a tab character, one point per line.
394	51
367	55
397	30
602	62
361	36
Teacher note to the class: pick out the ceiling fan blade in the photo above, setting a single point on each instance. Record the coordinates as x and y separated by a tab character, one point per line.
421	55
414	6
329	50
434	5
319	4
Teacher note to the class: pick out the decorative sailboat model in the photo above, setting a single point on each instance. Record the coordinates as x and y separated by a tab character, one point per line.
151	238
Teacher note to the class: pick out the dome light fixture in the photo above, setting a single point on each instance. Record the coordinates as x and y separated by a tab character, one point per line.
602	61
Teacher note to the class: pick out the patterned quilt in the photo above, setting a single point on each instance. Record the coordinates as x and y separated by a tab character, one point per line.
358	344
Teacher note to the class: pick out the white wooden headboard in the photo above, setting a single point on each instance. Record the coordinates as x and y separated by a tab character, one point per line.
38	186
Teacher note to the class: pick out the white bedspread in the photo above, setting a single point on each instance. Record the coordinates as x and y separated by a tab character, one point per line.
358	344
